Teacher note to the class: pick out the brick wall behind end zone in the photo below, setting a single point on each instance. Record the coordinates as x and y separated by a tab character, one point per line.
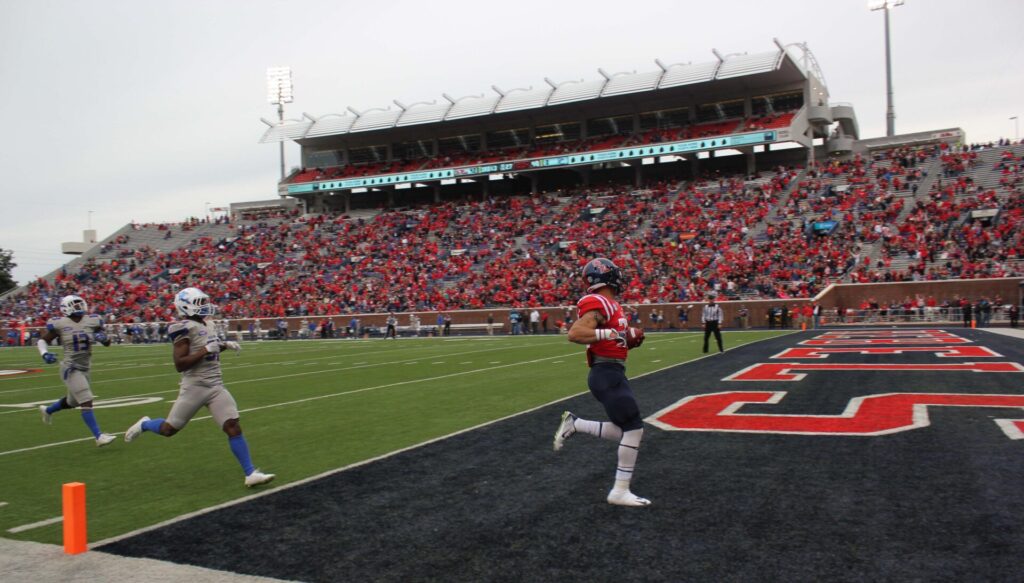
730	310
851	295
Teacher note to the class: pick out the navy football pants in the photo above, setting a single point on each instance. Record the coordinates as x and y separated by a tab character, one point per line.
609	385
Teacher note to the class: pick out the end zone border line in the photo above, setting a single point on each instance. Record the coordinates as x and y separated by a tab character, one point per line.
328	473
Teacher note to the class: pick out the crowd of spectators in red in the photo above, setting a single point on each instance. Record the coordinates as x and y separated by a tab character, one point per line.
741	236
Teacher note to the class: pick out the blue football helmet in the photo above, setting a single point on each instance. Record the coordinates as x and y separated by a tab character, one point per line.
601	272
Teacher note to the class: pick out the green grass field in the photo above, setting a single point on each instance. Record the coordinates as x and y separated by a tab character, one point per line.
307	407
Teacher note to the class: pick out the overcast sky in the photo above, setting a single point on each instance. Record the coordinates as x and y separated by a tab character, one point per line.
139	110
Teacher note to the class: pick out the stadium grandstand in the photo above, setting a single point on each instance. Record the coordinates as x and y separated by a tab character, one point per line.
738	176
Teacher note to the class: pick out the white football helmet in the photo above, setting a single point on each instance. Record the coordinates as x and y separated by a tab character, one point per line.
73	306
193	302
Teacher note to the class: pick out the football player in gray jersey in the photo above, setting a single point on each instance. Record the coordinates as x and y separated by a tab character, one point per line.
197	357
76	332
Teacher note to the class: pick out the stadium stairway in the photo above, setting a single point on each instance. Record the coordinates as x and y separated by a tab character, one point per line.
985	174
932	170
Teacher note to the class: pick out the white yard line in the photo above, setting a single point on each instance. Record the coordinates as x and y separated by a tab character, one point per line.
243	381
297	483
2	504
25	527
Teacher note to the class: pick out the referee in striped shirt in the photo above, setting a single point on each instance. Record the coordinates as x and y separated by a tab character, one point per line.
711	317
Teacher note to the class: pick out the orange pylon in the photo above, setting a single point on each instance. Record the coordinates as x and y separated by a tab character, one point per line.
75	540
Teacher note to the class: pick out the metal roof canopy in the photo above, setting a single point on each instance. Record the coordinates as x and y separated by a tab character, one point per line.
673	85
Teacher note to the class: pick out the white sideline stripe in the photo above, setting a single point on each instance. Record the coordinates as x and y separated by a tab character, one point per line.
25	527
328	473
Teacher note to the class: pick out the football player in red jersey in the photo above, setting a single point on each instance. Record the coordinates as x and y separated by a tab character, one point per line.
603	328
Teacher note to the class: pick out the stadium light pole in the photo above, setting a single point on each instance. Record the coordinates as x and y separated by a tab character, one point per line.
279	92
890	111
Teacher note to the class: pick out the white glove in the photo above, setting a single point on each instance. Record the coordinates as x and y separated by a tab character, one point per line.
213	347
232	345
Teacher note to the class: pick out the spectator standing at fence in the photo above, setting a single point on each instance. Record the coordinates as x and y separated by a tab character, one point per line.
490	324
414	325
544	321
513	321
282	329
984	312
1014	315
440	322
392	330
353	328
965	308
784	317
683	316
447	324
534	321
711	317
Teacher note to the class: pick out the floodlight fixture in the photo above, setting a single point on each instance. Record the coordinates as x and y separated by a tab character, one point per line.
279	92
279	85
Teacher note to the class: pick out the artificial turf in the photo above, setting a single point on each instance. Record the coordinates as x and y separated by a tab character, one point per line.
307	407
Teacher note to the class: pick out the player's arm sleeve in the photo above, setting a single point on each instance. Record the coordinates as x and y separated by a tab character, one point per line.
177	331
42	346
595	303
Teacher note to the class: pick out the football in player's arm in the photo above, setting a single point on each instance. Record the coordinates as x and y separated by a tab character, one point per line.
76	332
196	356
603	328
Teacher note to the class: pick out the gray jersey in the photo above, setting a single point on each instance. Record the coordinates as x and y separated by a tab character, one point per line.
206	371
76	338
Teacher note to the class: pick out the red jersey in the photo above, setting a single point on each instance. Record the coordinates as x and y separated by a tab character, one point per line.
614	319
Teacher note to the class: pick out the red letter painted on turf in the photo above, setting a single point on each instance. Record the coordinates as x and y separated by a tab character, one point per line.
883	341
939	351
783	371
868	416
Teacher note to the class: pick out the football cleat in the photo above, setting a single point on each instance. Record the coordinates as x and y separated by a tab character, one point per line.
565	429
257	478
135	430
626	498
105	439
47	418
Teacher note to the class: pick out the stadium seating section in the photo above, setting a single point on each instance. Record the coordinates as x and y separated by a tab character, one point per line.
902	214
625	139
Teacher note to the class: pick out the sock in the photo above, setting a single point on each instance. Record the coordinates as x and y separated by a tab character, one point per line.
240	448
57	406
90	420
629	447
152	425
602	429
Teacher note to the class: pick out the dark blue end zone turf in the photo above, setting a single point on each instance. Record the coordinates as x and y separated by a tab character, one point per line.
944	502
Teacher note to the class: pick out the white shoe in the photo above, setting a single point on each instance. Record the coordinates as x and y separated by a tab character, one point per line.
47	418
626	498
105	439
135	430
565	429
256	478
